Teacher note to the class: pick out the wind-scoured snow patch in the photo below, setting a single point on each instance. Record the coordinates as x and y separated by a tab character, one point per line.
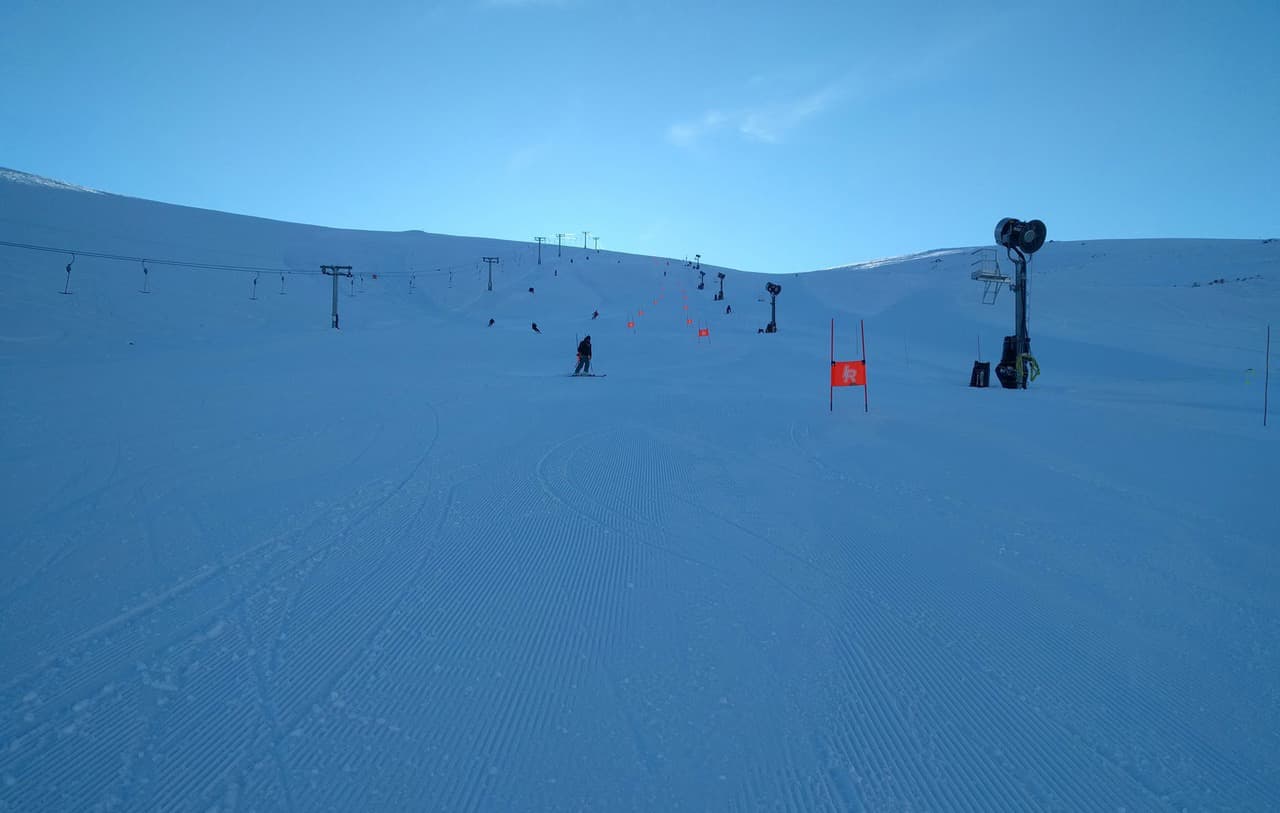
15	176
899	260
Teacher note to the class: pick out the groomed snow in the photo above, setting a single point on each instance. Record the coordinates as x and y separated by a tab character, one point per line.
250	562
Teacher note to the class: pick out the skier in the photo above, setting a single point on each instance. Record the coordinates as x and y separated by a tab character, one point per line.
535	328
728	309
490	323
584	357
595	314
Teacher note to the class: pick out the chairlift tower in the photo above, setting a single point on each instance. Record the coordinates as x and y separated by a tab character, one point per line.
490	261
720	294
702	280
334	271
560	241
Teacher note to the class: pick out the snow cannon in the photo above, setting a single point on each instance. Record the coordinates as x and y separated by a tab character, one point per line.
774	289
1021	238
1025	237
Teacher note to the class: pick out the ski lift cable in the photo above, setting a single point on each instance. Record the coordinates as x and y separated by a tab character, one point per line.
173	263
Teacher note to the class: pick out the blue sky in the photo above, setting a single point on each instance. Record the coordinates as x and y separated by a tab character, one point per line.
770	137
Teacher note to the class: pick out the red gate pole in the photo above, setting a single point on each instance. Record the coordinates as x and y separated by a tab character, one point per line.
866	399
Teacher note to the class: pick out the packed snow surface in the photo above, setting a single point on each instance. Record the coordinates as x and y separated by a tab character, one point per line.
251	562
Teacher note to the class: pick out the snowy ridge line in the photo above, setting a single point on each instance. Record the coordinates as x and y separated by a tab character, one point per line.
31	179
867	265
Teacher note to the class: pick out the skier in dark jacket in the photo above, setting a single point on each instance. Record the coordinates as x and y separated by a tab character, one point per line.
584	357
535	328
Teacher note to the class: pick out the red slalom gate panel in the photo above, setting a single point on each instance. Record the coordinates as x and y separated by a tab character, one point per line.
848	373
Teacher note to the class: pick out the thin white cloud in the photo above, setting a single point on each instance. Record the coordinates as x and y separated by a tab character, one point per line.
768	123
776	115
688	133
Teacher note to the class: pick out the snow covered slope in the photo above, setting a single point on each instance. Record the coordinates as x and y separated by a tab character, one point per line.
251	562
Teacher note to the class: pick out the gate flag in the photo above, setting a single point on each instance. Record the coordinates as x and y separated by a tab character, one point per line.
848	373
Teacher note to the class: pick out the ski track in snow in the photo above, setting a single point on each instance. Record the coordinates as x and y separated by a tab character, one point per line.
536	577
107	685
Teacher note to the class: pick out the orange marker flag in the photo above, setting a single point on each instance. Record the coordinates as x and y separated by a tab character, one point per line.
631	325
640	313
704	331
688	321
